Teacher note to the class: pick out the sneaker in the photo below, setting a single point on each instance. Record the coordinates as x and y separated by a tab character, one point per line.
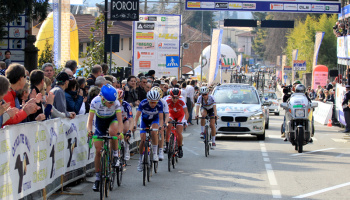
181	153
283	135
202	135
161	155
140	166
127	152
213	146
155	157
96	186
116	161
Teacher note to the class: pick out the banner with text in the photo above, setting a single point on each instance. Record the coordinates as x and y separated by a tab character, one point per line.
34	154
156	37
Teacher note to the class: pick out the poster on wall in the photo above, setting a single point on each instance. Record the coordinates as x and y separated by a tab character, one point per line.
155	38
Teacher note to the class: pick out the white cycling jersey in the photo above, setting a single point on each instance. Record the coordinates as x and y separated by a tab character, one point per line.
207	105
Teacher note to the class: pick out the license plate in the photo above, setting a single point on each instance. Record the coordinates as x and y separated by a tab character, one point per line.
234	124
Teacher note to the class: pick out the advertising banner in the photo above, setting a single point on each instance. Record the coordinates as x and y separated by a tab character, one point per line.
323	113
339	95
301	6
299	65
319	76
156	38
34	154
215	54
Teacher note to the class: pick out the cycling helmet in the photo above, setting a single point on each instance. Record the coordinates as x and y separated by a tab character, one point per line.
300	88
120	94
153	95
203	90
296	82
156	88
175	92
109	93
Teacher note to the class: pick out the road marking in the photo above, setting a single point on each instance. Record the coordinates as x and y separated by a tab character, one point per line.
187	149
340	155
270	174
263	149
276	194
265	154
266	159
339	140
297	154
321	191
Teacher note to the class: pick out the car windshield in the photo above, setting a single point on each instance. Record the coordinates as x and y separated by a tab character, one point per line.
236	95
270	95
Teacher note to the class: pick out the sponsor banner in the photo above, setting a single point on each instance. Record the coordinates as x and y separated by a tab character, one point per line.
316	7
33	155
235	6
215	53
144	36
192	4
287	69
276	6
290	6
221	5
207	4
339	96
17	44
332	8
323	113
145	45
155	37
15	32
318	40
304	7
250	6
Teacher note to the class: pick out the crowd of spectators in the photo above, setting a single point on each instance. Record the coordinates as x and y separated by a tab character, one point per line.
322	93
44	94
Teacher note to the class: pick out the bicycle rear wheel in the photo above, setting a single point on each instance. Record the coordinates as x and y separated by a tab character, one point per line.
150	162
113	171
102	175
206	145
145	160
119	170
173	162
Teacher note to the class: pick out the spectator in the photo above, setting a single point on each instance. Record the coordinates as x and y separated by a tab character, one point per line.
141	92
23	94
165	89
48	84
74	97
93	92
329	85
130	92
95	72
140	75
100	81
148	87
2	68
5	111
7	59
112	79
330	97
69	72
190	99
15	73
173	82
320	95
85	107
72	65
104	69
326	94
151	73
60	103
37	82
124	82
117	85
183	90
49	72
312	94
137	82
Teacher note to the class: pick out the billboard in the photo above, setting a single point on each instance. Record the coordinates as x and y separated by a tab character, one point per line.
304	6
156	44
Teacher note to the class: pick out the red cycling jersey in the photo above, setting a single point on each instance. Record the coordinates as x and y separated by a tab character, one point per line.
176	110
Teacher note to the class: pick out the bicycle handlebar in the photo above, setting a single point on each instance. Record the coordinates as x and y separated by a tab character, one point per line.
175	122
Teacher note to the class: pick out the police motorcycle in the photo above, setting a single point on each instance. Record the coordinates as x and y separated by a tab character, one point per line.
299	118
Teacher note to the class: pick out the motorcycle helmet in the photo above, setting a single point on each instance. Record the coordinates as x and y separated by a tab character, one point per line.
296	82
109	93
300	88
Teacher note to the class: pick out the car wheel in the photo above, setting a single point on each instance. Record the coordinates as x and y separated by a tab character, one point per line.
267	124
261	137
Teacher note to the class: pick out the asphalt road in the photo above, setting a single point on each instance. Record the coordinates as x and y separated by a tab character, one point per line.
243	168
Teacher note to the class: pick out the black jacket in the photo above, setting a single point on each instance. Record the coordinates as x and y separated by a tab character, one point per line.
142	94
345	102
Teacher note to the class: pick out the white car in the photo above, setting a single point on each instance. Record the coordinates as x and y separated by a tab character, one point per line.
240	110
275	105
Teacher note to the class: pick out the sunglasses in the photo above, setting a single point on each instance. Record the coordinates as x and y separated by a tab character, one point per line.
105	101
204	94
175	97
152	102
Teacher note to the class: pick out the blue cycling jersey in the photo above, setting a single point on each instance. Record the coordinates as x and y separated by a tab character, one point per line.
126	110
149	113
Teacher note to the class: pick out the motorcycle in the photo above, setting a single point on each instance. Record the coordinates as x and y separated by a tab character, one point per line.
299	126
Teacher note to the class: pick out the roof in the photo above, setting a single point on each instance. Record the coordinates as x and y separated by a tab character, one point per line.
193	35
246	34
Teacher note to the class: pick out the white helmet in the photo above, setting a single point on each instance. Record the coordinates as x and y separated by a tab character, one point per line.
203	90
153	95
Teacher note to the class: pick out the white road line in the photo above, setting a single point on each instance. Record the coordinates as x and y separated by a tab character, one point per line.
339	140
187	149
265	154
297	154
263	149
267	159
321	191
270	174
276	194
340	155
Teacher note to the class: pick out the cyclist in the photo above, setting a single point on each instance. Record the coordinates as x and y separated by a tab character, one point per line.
150	110
128	121
166	119
178	111
208	107
108	113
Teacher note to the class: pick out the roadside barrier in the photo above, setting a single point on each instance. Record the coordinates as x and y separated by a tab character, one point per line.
39	158
323	113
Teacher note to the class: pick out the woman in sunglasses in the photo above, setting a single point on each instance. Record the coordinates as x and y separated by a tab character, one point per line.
208	107
150	110
107	109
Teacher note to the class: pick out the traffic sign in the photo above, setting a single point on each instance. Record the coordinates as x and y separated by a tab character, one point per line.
285	76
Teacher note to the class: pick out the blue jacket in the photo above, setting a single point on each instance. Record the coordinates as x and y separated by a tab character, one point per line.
73	103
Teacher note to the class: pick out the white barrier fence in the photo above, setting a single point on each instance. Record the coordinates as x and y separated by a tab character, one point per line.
33	155
323	113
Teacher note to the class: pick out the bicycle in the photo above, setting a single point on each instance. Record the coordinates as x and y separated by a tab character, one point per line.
173	148
147	156
122	163
107	175
207	136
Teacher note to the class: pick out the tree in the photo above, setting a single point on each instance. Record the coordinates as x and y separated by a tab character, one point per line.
46	55
208	22
10	10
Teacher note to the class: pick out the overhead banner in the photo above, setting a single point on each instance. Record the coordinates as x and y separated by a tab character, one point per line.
215	54
34	154
156	38
300	6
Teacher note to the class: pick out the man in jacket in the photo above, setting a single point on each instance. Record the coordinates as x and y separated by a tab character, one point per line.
346	109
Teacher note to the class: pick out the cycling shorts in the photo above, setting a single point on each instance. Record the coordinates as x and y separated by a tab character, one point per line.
103	124
148	123
210	112
178	118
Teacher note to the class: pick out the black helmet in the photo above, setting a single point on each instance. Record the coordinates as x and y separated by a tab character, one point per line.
300	88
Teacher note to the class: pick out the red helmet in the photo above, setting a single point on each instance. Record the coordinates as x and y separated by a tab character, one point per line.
175	92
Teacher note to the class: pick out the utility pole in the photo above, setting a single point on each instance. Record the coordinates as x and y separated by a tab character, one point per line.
202	50
105	31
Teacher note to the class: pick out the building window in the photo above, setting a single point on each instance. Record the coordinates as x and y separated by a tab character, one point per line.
130	43
81	48
121	43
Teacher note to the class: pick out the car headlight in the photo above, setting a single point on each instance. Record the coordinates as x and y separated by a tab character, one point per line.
259	115
299	113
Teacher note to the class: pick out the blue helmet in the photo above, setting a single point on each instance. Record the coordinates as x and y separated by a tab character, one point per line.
109	93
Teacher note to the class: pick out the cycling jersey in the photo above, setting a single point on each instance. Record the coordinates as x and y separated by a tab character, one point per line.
104	116
126	111
176	109
209	105
166	107
149	115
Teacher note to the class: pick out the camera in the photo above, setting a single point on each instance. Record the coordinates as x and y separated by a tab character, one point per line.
287	89
335	27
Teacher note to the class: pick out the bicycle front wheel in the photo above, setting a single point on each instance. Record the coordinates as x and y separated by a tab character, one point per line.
113	171
102	175
170	151
120	169
206	144
145	160
150	162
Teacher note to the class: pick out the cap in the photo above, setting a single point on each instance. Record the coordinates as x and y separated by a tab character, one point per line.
62	77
